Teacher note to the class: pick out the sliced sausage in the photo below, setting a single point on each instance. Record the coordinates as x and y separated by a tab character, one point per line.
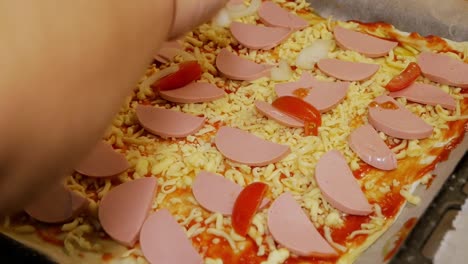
426	94
168	51
168	123
280	117
124	208
368	145
285	89
243	147
338	185
103	161
443	69
322	95
368	45
273	15
79	203
290	227
195	92
163	241
347	71
237	68
216	193
397	121
58	205
258	37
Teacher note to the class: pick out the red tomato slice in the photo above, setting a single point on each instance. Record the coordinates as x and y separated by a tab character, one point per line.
246	206
405	78
302	110
188	72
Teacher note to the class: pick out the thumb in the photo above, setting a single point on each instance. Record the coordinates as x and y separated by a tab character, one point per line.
191	13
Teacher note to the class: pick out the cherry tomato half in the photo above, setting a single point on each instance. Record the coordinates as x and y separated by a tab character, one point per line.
405	78
246	206
302	110
188	72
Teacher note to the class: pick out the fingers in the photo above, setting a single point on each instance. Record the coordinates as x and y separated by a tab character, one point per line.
191	13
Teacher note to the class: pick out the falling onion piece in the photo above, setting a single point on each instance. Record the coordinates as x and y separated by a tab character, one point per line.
245	148
310	55
338	185
236	9
222	19
282	72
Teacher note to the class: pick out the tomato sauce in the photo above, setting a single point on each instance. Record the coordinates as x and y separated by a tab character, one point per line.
430	181
106	257
223	251
391	204
50	235
362	171
301	92
351	224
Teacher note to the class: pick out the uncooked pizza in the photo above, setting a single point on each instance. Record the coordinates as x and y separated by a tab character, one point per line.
269	135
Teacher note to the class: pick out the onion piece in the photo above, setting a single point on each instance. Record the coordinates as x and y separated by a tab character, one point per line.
235	5
222	19
146	83
238	11
312	54
282	72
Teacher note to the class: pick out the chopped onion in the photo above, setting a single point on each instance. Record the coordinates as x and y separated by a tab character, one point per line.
282	72
312	54
238	11
222	19
146	83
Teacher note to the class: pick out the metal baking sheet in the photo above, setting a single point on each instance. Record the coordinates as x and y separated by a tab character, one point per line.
427	17
424	240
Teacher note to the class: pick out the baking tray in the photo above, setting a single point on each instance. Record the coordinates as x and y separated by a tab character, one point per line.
425	237
423	242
